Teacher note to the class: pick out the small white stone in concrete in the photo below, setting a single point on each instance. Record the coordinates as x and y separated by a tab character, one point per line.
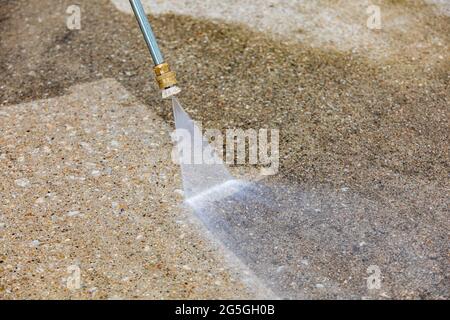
35	243
280	269
86	146
73	213
320	286
115	144
95	173
46	149
23	182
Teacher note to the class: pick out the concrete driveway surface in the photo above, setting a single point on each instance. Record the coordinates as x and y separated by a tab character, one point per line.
88	190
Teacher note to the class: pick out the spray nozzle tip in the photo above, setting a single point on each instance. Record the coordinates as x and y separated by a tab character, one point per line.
171	91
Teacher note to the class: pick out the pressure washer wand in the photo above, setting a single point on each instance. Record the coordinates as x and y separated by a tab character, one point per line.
166	79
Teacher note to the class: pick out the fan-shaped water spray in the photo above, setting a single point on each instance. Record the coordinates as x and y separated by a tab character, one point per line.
205	177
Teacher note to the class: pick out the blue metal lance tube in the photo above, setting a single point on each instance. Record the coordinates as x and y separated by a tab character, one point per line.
147	31
164	76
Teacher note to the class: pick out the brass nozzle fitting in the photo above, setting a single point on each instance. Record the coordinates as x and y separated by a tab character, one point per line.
164	76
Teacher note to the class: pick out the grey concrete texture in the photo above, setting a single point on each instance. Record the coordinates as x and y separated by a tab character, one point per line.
86	177
87	181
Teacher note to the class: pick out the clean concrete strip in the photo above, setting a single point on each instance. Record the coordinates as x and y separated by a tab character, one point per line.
341	25
88	185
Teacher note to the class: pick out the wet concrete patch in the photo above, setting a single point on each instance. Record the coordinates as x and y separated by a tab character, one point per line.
307	242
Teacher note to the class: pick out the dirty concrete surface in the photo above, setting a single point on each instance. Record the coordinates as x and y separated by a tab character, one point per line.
367	127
